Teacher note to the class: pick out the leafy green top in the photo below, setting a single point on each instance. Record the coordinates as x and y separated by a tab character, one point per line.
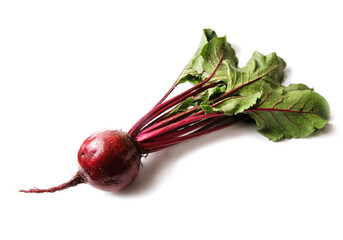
254	90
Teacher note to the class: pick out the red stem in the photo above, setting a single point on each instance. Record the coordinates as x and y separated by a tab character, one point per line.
161	123
149	147
182	114
168	104
171	138
173	87
185	129
172	126
212	129
156	131
158	109
77	179
162	120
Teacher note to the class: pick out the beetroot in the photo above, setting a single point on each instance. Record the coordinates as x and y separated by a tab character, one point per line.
223	94
108	160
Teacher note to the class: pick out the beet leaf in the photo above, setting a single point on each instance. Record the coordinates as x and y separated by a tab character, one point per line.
254	90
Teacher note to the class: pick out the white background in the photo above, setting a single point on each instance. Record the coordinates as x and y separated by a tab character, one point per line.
69	68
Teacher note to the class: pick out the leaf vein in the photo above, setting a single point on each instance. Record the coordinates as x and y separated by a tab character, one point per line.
262	119
295	103
278	102
275	119
304	104
290	120
264	99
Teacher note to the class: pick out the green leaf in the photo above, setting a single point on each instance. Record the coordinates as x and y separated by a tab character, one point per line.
189	74
237	104
259	70
243	85
255	89
211	55
211	93
208	35
211	51
289	112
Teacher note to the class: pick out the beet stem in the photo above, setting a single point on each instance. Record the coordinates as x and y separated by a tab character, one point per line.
175	125
171	119
173	87
77	179
182	131
163	121
161	107
168	104
153	146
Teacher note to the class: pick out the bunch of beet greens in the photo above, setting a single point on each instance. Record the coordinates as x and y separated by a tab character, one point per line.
223	95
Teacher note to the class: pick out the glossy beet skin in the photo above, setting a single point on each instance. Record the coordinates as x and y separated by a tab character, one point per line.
109	160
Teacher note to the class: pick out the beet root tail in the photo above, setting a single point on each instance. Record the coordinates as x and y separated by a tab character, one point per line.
77	179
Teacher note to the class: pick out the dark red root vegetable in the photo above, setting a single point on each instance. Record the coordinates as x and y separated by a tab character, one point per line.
222	95
108	160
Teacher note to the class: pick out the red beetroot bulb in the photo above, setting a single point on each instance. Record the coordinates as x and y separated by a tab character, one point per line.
108	160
